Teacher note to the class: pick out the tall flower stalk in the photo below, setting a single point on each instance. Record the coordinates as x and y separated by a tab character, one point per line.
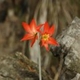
32	31
40	75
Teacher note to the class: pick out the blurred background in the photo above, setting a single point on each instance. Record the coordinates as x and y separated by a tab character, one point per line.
14	12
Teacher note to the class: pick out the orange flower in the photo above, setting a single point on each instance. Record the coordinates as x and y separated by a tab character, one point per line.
46	36
32	31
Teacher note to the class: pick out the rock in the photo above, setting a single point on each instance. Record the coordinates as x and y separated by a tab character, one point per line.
70	37
69	49
18	67
77	77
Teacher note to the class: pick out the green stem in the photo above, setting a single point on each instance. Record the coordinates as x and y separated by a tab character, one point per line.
40	76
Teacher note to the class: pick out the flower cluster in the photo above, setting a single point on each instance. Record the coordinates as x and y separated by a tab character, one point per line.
45	34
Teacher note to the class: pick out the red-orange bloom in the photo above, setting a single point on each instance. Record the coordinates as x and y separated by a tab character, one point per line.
32	31
46	36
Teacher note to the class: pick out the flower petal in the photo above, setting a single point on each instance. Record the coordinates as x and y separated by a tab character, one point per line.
45	44
39	28
53	41
33	40
33	26
26	27
46	27
51	30
27	37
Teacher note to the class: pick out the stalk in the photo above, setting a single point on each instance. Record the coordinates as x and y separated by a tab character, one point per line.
40	75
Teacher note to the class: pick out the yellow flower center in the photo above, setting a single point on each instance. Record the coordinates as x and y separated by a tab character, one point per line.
45	37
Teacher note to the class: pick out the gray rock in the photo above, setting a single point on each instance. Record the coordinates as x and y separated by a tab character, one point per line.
71	39
18	67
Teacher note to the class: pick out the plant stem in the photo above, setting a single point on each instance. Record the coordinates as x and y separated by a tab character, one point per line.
40	76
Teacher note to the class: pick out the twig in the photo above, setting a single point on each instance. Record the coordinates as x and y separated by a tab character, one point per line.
60	68
24	46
